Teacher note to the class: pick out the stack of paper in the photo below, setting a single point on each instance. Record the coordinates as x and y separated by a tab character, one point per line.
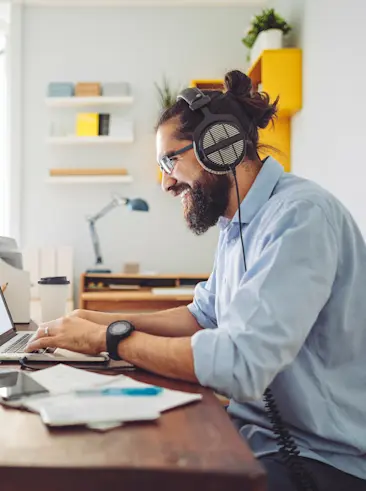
70	409
60	379
66	406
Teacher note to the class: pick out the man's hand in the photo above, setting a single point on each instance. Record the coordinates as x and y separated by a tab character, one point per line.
81	313
72	333
102	318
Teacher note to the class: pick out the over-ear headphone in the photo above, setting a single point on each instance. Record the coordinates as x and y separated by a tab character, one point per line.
219	141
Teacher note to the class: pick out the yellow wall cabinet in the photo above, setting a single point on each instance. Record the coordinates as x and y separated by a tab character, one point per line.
208	84
279	73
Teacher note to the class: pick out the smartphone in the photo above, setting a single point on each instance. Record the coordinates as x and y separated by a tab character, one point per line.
15	385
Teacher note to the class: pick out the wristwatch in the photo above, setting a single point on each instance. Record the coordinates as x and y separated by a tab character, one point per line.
116	332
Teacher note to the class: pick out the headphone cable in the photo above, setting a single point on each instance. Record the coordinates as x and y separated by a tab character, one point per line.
233	170
288	450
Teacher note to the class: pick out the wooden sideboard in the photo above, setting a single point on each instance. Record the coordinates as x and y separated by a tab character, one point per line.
136	292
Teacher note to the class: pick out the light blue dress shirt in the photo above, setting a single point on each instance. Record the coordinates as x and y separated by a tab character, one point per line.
295	321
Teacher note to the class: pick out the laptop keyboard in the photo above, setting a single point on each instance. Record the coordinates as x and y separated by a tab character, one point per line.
19	345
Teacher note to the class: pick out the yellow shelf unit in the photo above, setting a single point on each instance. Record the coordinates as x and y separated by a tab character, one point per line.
208	84
279	73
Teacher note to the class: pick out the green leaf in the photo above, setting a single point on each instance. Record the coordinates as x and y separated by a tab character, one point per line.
267	19
166	95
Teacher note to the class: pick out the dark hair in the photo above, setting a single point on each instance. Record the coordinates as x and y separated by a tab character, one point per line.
254	110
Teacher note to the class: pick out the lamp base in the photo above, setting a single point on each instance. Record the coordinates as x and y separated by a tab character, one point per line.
98	271
99	268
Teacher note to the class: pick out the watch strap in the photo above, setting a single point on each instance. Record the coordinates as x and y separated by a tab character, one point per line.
113	340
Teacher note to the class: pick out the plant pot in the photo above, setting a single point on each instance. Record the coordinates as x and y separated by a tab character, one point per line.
271	39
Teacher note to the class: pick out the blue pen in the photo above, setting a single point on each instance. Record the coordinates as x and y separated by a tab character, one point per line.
127	391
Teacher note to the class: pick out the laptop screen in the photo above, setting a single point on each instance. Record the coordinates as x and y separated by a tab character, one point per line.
6	323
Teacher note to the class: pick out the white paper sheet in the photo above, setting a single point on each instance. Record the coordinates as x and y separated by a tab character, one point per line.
104	426
61	378
66	410
168	399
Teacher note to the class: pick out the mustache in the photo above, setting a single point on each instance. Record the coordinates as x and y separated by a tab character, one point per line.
176	190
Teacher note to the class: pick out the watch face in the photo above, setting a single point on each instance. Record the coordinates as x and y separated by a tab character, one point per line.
120	328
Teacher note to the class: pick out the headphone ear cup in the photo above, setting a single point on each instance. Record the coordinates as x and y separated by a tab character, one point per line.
221	146
219	141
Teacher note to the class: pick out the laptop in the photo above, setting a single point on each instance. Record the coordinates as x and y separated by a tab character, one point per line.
13	343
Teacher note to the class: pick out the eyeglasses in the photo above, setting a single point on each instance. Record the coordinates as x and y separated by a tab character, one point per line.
167	162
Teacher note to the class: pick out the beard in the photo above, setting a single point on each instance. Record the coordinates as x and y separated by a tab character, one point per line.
206	202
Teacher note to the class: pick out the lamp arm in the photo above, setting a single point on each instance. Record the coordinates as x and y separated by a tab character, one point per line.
116	201
96	243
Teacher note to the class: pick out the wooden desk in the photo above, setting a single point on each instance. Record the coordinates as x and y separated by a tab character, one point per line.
193	448
136	293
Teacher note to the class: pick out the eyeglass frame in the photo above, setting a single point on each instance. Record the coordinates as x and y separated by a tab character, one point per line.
167	162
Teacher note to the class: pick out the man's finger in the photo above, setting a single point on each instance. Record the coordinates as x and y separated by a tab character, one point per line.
41	343
42	332
51	324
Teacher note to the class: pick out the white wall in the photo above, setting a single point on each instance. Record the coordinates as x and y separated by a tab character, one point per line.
4	161
111	44
328	135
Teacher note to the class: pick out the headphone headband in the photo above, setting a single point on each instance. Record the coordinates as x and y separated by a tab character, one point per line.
194	97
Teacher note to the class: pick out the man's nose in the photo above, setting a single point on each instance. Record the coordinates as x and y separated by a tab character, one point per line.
167	182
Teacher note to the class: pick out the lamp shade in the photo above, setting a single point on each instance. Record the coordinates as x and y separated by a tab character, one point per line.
138	204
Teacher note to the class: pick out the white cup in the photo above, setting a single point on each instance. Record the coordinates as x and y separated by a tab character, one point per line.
53	292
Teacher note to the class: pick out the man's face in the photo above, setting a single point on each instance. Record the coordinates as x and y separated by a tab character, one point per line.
204	196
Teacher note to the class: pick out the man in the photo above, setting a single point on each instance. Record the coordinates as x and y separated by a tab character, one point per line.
283	310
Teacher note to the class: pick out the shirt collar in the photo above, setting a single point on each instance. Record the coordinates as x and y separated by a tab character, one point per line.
258	194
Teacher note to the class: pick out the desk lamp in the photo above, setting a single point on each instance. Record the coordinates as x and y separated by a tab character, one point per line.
136	204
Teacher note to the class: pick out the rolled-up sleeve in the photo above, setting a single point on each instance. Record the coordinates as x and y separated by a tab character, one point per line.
274	308
203	305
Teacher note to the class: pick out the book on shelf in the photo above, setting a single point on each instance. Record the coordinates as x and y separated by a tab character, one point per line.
87	124
104	124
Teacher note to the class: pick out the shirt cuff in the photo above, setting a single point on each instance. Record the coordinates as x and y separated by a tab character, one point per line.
203	320
213	359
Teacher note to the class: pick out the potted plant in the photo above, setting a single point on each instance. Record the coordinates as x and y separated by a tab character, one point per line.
265	32
167	96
